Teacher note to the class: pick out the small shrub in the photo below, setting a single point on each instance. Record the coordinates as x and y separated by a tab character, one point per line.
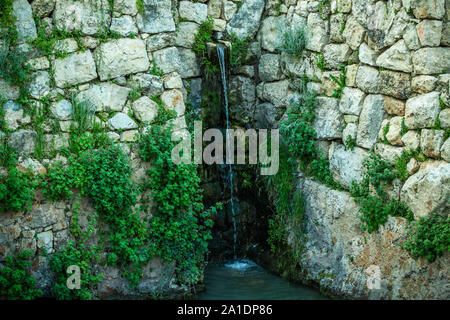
294	41
16	191
16	281
239	50
429	237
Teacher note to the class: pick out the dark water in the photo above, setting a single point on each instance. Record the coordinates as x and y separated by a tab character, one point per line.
244	279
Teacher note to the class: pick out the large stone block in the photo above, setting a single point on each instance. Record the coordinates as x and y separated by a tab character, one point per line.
396	57
421	111
351	101
428	190
370	121
347	165
77	68
157	17
431	60
329	122
245	22
121	57
105	96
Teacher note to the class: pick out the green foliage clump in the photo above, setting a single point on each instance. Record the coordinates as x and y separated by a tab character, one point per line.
16	281
16	191
429	237
155	69
376	206
6	16
294	41
12	60
401	162
337	92
321	63
202	37
79	253
239	50
180	227
350	143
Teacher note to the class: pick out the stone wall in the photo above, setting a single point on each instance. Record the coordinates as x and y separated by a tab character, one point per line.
397	59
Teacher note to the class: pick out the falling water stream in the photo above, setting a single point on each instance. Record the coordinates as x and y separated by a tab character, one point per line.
242	278
221	56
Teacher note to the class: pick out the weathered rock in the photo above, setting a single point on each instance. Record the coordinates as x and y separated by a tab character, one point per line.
193	11
14	115
431	142
367	79
274	92
62	109
23	141
145	109
186	34
350	130
105	96
350	79
121	57
347	165
124	25
150	85
265	116
396	84
387	152
173	100
429	33
157	17
444	118
43	8
336	55
367	55
445	150
428	8
393	135
317	32
351	101
412	166
370	121
269	67
45	241
396	57
215	8
421	111
270	34
428	190
423	84
431	60
242	98
329	122
411	140
9	92
40	63
77	68
245	22
353	33
336	23
411	38
40	84
160	41
394	106
121	121
173	81
85	15
26	28
219	25
190	66
126	7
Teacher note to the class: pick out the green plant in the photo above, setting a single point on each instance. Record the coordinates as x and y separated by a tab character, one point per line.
385	132
180	227
375	207
12	60
6	16
77	253
337	92
402	161
350	143
156	70
404	129
16	281
239	50
202	37
429	237
140	6
135	93
320	63
16	191
294	40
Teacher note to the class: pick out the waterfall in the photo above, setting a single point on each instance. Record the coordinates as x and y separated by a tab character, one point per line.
221	56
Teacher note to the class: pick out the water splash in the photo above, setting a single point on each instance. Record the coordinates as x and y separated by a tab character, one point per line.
221	55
